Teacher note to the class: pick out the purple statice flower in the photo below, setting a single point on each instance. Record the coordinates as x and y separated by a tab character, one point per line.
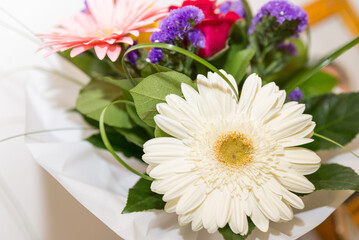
178	23
282	10
133	56
296	95
290	48
196	37
155	55
235	6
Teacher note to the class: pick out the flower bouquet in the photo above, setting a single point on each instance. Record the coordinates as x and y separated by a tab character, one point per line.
223	106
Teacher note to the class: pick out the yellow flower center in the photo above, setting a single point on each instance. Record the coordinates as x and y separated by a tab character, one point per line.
233	149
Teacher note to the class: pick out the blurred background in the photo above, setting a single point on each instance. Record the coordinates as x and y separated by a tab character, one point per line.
34	206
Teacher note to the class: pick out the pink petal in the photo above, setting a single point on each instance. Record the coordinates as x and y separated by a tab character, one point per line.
101	50
114	52
127	40
78	50
135	33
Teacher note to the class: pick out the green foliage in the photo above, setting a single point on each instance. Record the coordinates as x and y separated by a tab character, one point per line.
94	97
228	234
150	69
141	198
334	177
136	135
90	64
153	90
131	110
336	117
295	64
119	144
270	33
320	83
238	65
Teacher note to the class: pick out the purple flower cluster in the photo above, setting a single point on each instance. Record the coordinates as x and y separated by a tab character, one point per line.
178	25
155	55
235	6
296	95
133	56
282	10
290	48
197	38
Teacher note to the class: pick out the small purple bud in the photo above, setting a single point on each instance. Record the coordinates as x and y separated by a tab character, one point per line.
290	48
296	95
155	55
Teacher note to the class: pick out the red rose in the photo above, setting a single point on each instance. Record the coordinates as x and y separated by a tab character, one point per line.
215	27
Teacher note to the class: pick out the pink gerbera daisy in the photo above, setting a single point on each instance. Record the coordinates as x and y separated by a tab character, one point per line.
102	25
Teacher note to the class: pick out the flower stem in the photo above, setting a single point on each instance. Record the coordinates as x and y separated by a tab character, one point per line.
336	143
108	144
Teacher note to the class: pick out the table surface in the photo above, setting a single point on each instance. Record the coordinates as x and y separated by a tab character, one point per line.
32	204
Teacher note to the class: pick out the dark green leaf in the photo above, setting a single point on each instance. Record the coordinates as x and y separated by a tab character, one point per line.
136	135
150	69
238	64
305	75
119	143
131	110
336	117
228	234
334	177
153	90
319	84
141	198
94	97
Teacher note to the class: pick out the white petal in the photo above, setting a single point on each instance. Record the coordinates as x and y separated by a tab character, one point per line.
172	127
238	222
179	188
224	210
258	218
249	91
209	212
170	167
193	197
295	182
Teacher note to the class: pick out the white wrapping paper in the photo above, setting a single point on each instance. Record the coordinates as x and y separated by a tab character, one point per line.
101	184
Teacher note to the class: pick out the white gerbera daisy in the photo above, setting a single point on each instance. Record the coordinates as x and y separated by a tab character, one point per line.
228	160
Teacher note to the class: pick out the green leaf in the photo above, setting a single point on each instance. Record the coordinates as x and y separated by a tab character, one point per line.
150	69
153	90
136	135
141	198
131	110
336	117
305	75
334	177
119	143
238	64
95	96
160	133
319	84
89	64
228	234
